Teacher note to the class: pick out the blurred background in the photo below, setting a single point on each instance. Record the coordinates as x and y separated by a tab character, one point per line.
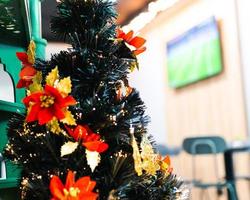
193	78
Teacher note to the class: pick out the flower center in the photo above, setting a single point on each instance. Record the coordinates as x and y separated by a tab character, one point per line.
47	101
72	192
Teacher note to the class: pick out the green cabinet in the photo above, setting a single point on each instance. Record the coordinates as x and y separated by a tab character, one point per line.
19	23
9	173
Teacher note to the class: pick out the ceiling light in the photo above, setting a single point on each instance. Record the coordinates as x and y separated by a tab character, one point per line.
144	18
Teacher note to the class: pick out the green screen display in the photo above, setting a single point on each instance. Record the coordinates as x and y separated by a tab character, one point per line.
194	55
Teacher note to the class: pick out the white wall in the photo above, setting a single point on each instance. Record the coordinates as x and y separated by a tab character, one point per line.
6	86
243	8
151	82
212	106
55	47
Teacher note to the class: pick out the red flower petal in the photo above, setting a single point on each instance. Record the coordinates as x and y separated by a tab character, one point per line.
35	97
88	196
139	51
53	92
45	115
23	57
69	130
92	137
68	101
57	111
167	160
56	188
137	42
27	73
128	36
95	146
33	114
70	180
102	147
80	133
85	184
21	83
120	33
92	146
88	129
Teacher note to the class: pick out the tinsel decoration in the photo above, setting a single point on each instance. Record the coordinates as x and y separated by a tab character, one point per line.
136	152
149	157
31	52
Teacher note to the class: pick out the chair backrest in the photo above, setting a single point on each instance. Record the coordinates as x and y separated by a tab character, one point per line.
204	145
166	150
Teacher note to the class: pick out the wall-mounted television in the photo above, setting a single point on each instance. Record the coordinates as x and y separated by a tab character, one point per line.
195	54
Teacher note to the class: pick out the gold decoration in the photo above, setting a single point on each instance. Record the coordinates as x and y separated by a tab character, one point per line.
26	129
136	153
53	126
133	66
52	77
149	158
69	118
93	159
68	148
31	52
165	164
36	85
112	195
24	187
64	86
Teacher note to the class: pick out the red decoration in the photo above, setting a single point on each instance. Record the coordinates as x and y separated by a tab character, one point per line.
43	106
166	164
136	42
89	139
79	190
27	73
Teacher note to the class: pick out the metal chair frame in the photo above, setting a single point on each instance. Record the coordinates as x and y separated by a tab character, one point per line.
207	145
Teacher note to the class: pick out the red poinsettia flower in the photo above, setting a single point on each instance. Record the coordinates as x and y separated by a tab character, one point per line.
45	105
79	190
89	139
27	73
136	42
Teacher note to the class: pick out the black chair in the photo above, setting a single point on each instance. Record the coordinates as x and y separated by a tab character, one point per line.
204	146
236	144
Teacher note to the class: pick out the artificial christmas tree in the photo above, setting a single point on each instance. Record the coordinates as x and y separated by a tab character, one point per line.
84	134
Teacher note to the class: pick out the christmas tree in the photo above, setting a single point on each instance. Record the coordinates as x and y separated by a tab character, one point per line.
84	134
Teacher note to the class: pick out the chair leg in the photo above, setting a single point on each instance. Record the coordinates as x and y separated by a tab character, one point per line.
232	191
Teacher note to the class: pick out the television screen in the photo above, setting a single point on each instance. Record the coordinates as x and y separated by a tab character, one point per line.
194	55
